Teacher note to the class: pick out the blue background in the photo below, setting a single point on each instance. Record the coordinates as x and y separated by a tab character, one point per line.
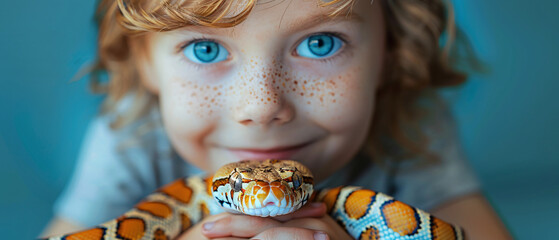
508	117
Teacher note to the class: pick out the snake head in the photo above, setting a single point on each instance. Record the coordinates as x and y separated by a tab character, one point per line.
263	188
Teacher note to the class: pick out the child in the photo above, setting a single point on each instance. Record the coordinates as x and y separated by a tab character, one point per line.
345	87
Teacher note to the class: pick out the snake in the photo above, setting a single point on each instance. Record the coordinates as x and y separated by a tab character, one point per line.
267	188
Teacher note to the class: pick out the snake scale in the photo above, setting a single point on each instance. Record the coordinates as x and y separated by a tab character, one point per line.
267	188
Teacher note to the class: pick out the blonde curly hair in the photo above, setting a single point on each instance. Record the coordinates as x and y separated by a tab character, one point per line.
416	63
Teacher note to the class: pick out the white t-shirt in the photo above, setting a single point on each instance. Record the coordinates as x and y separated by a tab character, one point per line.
115	171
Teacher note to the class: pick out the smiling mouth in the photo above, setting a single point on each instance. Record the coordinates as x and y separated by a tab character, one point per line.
271	153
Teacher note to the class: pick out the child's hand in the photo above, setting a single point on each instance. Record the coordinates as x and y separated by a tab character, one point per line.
309	222
195	232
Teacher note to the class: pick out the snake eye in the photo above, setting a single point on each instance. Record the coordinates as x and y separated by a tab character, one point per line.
288	169
244	169
297	180
236	181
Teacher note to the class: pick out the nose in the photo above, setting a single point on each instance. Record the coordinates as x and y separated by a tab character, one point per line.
261	101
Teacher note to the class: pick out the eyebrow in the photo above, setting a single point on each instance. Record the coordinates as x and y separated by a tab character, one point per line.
210	30
320	19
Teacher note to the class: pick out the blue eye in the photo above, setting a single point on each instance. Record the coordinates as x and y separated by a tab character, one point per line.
319	46
205	52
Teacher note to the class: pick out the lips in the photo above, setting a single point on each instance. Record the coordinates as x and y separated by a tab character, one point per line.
263	154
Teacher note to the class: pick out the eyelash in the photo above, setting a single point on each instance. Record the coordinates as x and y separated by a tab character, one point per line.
191	41
342	52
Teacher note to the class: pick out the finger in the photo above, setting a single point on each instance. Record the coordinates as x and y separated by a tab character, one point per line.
195	231
237	226
291	233
314	209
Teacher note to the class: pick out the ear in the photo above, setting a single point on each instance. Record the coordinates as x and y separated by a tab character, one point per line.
140	50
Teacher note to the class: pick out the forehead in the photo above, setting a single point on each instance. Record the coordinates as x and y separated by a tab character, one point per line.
292	16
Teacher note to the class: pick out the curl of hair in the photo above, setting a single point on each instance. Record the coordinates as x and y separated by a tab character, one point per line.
415	64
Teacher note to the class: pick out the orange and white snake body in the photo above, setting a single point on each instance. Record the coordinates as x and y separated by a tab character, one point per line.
267	188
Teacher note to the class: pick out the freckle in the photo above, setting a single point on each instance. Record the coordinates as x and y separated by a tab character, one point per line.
312	94
263	75
219	94
279	74
275	101
193	95
205	98
283	84
308	102
273	81
268	92
332	94
321	100
189	103
213	100
295	82
294	89
207	87
215	88
195	86
262	100
183	85
266	85
302	94
334	101
277	87
269	99
305	82
230	87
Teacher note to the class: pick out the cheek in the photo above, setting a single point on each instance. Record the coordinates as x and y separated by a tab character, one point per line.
190	110
340	101
192	100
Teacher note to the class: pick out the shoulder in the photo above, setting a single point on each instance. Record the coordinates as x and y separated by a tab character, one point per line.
427	184
139	150
116	168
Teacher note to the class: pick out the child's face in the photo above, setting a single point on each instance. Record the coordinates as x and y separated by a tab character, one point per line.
286	83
